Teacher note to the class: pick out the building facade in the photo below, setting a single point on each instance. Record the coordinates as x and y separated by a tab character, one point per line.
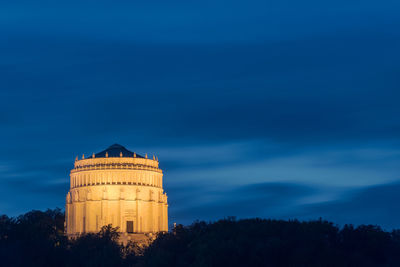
118	187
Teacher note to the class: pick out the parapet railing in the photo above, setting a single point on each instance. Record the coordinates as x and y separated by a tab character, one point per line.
114	166
115	183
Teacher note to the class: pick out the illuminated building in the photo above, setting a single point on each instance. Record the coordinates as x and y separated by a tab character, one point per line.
118	187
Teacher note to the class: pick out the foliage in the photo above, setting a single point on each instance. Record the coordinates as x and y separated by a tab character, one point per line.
37	239
101	249
261	242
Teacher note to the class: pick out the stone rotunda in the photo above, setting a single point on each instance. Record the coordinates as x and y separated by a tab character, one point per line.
118	187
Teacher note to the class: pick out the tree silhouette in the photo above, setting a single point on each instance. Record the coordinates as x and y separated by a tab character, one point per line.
37	239
101	249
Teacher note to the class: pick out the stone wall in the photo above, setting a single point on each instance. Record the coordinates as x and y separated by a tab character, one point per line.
116	191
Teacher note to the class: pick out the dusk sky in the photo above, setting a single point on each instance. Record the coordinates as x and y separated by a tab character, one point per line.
273	109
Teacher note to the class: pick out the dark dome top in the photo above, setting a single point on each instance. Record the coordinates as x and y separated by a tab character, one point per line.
115	150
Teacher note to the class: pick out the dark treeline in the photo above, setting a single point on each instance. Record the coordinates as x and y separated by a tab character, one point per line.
37	239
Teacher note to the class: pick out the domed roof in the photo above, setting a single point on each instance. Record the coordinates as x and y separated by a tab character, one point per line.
114	151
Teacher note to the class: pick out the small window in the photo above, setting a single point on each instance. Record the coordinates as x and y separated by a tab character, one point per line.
129	226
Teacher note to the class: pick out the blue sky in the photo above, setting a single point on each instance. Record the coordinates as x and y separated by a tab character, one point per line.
276	109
